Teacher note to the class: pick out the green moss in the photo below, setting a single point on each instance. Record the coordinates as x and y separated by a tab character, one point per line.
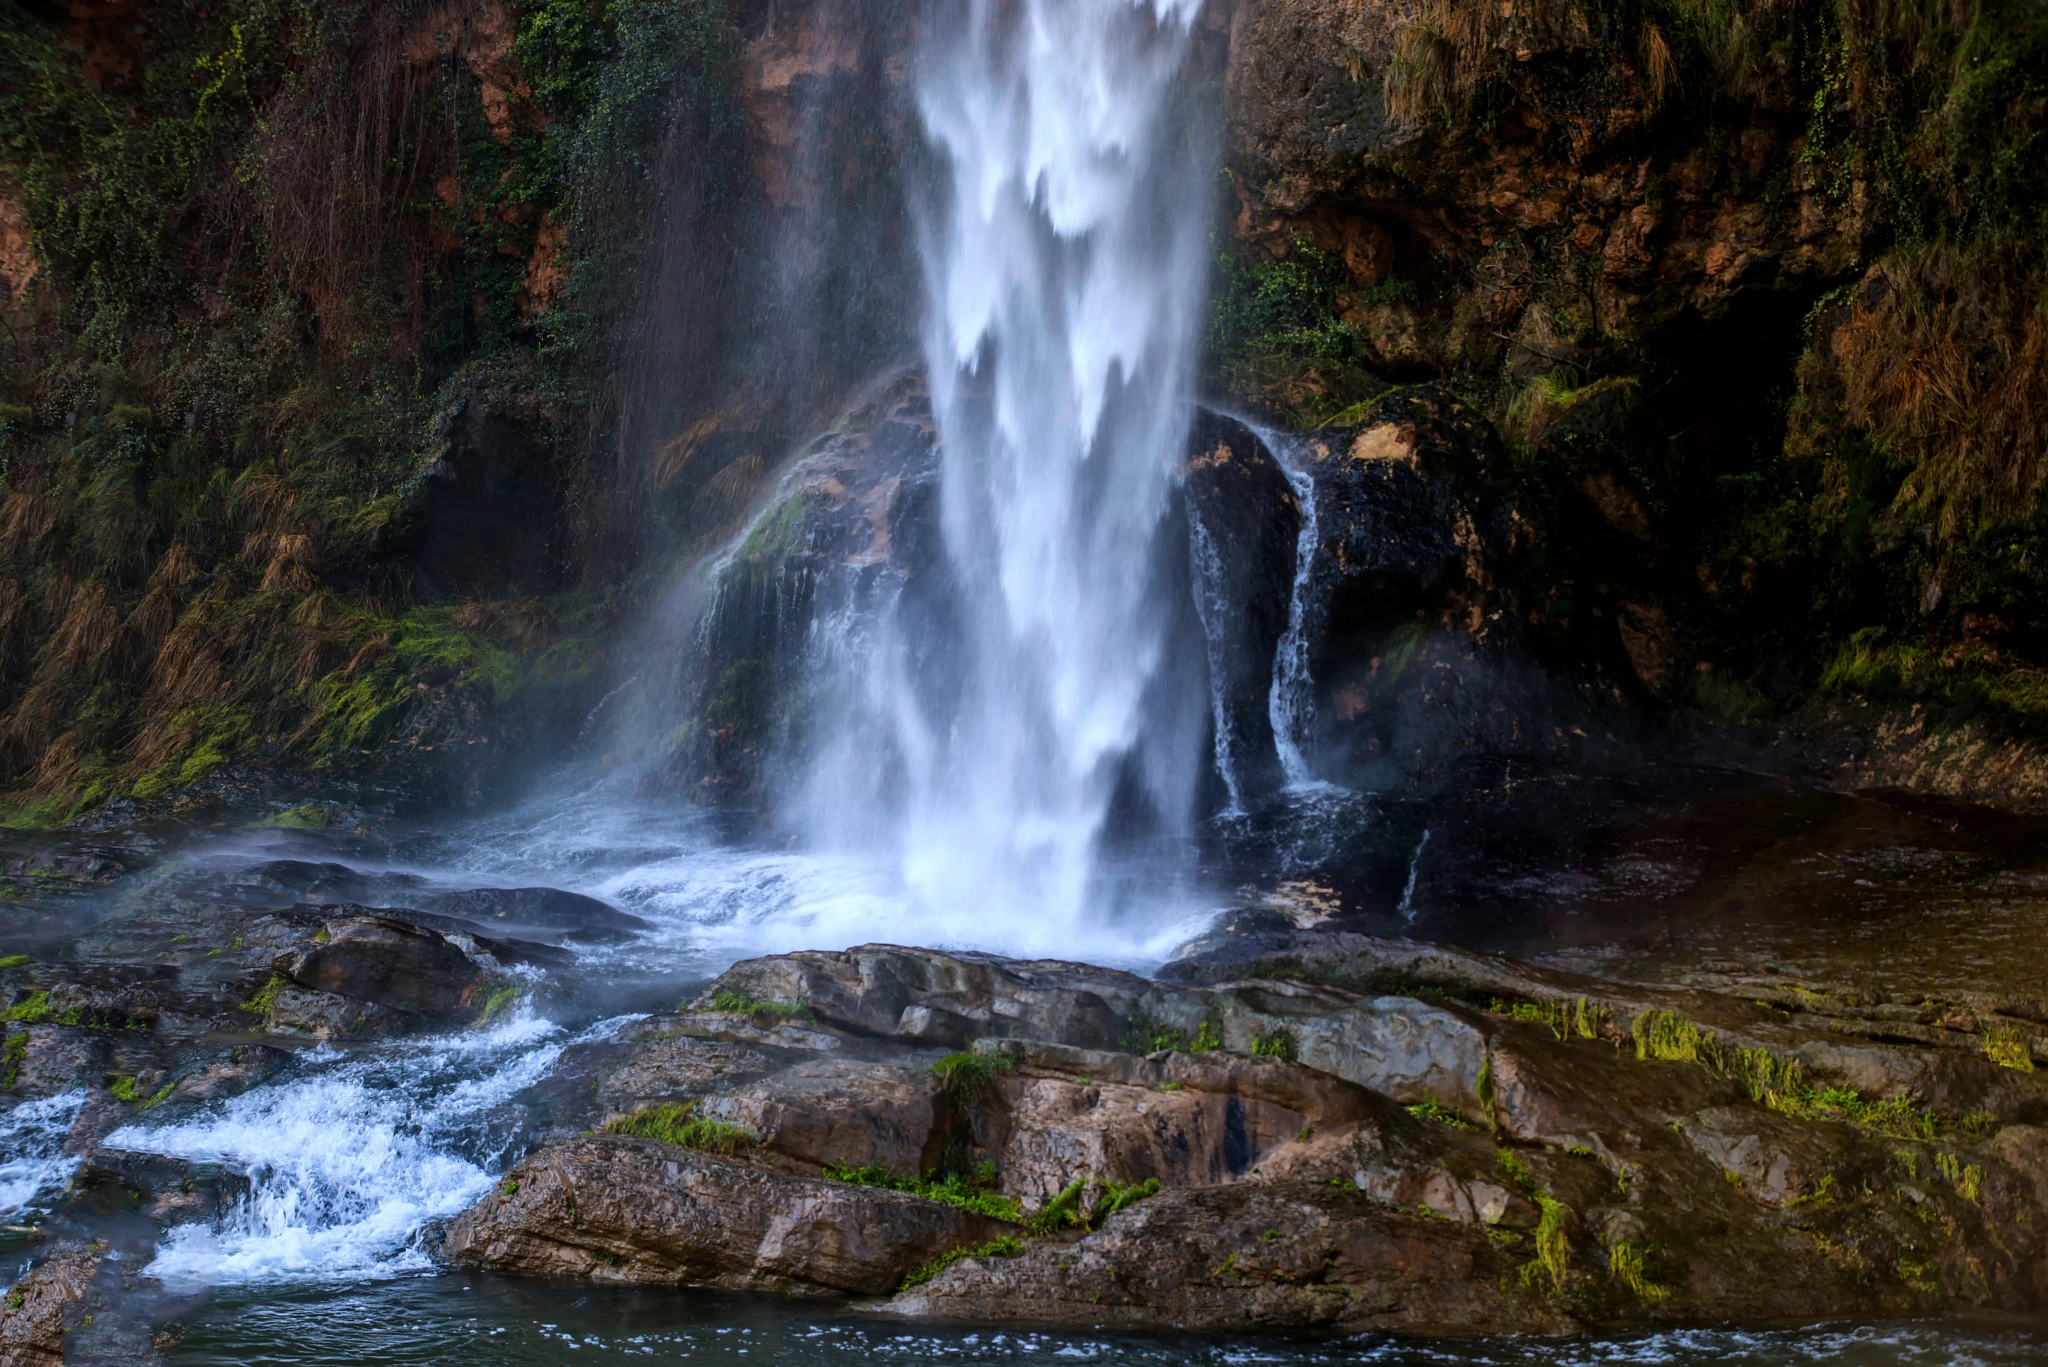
126	1088
1669	1037
12	1054
31	1009
307	816
1553	1249
2009	1046
1003	1246
1518	1171
264	1002
498	1001
17	961
681	1126
740	1004
1626	1261
1564	1017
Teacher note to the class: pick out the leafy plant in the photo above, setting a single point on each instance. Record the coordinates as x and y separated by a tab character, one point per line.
683	1127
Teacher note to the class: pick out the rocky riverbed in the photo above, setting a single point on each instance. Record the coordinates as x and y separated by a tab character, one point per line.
1277	1130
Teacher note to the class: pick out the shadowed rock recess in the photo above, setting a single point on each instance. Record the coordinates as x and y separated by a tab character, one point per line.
1293	1131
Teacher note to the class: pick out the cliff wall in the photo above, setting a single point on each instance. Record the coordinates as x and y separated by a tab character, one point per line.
365	365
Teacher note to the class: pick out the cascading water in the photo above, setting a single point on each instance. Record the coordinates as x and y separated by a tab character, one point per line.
1292	698
1064	260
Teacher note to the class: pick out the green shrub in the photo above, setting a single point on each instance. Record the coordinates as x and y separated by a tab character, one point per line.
967	1077
681	1126
975	1192
1003	1246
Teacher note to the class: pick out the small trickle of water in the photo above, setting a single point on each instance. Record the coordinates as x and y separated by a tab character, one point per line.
33	1165
1213	605
1291	704
1407	907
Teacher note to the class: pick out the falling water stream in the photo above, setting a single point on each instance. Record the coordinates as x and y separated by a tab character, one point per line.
1064	249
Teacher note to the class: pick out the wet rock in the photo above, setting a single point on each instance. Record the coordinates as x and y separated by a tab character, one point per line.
45	1303
328	1015
1272	1257
1245	521
169	1191
855	522
489	498
631	1210
838	1111
547	911
1183	1120
1951	1082
930	997
391	964
217	1076
1410	1050
678	1067
1755	1149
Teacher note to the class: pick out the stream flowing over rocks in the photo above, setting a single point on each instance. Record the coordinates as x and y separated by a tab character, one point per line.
1276	1130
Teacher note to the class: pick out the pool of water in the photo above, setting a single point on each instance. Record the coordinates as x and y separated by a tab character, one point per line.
437	1320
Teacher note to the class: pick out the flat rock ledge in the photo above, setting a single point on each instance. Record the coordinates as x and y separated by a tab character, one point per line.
1292	1132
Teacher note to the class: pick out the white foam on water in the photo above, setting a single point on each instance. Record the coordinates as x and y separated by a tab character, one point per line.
32	1160
350	1157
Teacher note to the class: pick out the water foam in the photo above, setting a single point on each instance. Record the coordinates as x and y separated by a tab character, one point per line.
33	1164
350	1157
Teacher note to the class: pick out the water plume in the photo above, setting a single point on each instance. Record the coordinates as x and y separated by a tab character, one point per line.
1064	249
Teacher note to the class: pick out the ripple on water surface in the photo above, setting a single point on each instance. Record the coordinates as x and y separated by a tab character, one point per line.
452	1318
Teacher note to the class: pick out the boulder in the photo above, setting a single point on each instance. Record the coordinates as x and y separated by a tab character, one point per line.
44	1304
931	997
391	964
543	911
838	1111
632	1210
1272	1257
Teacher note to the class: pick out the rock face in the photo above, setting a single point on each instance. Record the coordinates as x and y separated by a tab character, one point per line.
1288	1131
42	1307
1244	521
1272	1257
632	1210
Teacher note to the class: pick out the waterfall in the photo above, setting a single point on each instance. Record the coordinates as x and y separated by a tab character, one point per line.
1064	246
1292	698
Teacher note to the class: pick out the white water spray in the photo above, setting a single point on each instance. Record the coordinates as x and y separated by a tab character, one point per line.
1065	261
